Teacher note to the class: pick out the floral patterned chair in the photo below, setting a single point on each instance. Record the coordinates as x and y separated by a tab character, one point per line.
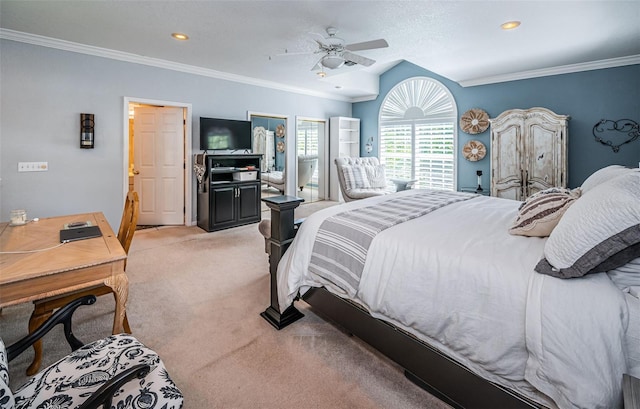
114	372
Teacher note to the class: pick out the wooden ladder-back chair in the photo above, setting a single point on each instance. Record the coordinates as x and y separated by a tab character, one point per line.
129	221
45	307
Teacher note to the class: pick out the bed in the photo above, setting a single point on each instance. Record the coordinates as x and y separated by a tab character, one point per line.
477	315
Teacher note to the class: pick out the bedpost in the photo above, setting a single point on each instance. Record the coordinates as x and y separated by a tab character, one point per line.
282	234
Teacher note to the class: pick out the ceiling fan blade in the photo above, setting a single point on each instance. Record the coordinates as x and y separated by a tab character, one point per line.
367	45
322	46
316	36
358	59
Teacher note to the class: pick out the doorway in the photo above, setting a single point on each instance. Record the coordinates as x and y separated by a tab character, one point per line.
157	143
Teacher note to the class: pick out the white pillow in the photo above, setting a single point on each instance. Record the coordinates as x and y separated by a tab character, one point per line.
599	232
626	276
375	174
541	212
602	175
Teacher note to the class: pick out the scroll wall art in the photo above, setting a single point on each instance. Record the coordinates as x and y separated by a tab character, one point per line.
616	133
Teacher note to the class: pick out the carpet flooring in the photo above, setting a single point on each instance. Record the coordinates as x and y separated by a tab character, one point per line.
195	298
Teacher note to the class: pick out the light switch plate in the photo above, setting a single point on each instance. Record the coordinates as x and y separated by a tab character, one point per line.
33	166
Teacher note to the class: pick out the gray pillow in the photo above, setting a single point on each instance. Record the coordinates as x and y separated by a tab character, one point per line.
599	232
355	177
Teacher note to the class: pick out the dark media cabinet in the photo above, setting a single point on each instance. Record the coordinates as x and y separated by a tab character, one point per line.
230	194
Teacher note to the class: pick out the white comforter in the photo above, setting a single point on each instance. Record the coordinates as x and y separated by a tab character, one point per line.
456	279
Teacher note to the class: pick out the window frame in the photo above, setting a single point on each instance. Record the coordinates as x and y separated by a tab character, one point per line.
439	116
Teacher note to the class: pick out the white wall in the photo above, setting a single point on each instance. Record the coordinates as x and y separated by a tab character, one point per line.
42	93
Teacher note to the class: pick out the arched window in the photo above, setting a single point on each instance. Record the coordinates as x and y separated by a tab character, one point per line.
417	125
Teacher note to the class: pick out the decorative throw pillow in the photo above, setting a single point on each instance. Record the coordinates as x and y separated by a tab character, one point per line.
375	174
599	232
602	175
355	177
541	212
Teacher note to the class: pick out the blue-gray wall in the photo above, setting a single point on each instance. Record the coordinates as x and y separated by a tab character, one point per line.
587	97
43	91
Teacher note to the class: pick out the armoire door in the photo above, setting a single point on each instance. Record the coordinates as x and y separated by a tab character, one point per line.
544	147
506	157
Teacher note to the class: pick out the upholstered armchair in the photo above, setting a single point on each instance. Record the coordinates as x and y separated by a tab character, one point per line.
117	371
275	179
360	178
306	167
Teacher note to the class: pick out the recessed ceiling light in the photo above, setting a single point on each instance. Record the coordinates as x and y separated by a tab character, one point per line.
510	25
180	36
321	74
338	86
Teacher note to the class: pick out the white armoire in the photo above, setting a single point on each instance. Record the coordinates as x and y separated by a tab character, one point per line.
528	152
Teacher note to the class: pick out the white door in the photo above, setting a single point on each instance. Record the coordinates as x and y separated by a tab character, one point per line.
158	159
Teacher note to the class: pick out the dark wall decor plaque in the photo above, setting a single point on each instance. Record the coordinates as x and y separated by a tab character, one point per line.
620	132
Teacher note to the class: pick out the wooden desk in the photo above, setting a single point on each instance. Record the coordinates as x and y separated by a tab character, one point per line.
69	267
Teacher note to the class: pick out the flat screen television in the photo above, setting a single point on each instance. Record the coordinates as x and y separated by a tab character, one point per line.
225	134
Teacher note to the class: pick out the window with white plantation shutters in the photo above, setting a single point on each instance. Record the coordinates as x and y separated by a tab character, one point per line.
308	137
417	133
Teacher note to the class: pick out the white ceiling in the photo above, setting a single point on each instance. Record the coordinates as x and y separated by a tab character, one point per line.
241	40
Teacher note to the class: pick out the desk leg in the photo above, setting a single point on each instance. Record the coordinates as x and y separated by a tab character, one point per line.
120	286
34	322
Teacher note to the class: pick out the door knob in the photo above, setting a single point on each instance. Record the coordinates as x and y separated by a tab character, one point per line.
136	172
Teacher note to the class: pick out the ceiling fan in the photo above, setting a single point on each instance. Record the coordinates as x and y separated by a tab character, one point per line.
336	53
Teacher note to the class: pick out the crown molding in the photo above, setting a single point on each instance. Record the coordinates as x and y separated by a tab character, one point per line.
364	98
545	72
49	42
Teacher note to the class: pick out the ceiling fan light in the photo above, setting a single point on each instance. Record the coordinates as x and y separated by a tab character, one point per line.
332	61
510	25
180	36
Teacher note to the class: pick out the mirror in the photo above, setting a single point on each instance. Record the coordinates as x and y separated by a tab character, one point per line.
269	139
310	151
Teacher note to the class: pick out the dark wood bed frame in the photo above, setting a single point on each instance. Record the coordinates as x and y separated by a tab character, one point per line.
423	364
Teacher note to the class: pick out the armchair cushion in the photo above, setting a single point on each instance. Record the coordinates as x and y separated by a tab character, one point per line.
68	382
364	193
